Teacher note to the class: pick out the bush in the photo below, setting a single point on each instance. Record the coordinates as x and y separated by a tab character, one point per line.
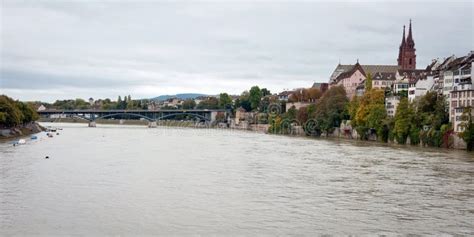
414	136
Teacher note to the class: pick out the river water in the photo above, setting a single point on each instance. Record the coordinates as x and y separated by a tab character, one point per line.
132	180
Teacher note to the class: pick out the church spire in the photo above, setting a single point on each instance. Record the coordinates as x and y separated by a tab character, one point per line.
403	37
410	40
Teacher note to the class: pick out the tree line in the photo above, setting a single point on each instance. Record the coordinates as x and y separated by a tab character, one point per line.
14	113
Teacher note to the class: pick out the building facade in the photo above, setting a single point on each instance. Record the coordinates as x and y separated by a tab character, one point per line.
460	101
391	104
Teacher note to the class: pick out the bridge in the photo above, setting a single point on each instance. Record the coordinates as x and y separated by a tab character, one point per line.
152	116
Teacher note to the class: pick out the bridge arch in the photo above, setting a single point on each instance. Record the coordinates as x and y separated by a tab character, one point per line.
185	113
132	114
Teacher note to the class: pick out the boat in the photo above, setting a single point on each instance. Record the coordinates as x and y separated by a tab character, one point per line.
19	142
50	129
34	137
49	134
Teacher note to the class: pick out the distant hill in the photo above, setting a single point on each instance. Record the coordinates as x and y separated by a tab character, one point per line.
183	96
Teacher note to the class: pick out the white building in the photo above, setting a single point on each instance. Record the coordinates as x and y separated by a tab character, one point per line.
285	95
455	71
400	85
391	104
448	80
460	100
420	87
462	95
383	80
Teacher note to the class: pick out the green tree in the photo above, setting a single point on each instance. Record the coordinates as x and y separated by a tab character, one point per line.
432	110
331	109
29	114
209	103
468	125
225	101
14	113
291	113
403	118
243	101
10	114
81	104
189	104
255	95
265	92
311	110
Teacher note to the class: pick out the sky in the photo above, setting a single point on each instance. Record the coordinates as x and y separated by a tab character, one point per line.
101	49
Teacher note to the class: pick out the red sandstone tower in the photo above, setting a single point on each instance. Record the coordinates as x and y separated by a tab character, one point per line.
406	54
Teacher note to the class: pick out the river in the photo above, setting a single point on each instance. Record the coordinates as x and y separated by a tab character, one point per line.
133	180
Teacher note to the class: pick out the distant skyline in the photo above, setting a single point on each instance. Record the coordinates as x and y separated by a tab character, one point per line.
69	49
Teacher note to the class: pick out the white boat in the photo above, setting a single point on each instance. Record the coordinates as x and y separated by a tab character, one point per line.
19	142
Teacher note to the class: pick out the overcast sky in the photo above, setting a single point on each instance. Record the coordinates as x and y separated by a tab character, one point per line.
66	49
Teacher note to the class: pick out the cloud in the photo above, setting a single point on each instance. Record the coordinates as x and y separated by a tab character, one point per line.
103	49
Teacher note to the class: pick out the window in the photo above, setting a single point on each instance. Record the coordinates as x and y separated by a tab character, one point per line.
409	62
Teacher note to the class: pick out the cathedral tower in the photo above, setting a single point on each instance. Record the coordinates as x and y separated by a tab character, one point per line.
406	54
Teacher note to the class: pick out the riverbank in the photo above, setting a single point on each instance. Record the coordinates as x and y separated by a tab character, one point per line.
297	131
20	131
346	132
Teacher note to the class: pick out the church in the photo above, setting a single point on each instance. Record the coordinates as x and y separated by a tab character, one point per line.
352	77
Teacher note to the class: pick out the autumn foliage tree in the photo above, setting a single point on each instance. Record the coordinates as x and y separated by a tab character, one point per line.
368	112
306	95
